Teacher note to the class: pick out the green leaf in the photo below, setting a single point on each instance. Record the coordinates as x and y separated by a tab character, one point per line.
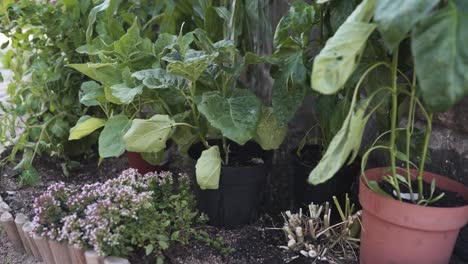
110	97
395	18
270	134
344	146
165	41
158	79
208	168
433	187
105	73
111	142
184	42
184	138
374	186
441	57
85	126
59	127
124	93
286	100
236	116
129	42
340	56
92	18
193	66
299	20
163	244
149	249
149	135
214	24
90	93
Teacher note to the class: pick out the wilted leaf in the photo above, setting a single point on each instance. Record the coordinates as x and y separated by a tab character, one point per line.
208	168
340	56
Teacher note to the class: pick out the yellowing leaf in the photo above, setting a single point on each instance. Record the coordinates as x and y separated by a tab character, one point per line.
208	168
270	134
85	126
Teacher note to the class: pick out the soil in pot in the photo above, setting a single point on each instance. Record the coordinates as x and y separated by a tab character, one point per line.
236	201
305	193
137	162
398	232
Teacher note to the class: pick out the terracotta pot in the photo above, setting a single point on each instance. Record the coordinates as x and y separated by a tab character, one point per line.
399	233
77	255
137	162
60	252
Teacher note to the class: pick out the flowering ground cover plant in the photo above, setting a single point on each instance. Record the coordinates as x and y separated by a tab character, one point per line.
121	216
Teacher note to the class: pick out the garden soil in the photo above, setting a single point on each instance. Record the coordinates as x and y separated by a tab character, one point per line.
257	243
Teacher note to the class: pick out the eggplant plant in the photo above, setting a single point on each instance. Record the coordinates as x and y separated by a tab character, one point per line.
434	85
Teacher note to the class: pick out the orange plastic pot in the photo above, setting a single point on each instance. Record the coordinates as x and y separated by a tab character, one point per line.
400	233
137	162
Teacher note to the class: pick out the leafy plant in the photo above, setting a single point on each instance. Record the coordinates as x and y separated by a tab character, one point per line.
41	93
337	62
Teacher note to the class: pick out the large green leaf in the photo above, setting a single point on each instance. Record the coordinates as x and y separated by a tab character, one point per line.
111	139
344	146
85	126
149	135
124	93
236	116
105	73
270	134
165	41
440	53
158	79
340	56
208	168
395	18
129	42
90	93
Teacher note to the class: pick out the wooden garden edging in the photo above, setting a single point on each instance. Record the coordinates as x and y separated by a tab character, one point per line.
19	232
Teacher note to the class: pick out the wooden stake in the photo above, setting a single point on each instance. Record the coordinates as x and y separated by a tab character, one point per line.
44	249
8	224
20	219
60	252
77	255
93	258
27	229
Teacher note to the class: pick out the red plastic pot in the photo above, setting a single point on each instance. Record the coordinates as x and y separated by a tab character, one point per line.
137	162
400	233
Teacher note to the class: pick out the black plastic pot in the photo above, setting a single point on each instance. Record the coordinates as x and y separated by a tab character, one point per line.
236	201
305	193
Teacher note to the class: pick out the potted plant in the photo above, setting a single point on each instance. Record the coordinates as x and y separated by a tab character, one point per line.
122	95
298	33
409	215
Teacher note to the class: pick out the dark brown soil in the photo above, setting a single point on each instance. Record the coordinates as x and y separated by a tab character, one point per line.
450	199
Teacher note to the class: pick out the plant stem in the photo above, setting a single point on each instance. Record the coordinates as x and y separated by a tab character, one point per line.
193	88
394	122
427	138
226	152
409	130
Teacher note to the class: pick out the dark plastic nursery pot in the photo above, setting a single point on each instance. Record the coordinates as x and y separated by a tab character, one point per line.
137	162
236	201
400	233
305	193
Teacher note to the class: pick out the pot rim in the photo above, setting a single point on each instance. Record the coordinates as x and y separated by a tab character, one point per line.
412	215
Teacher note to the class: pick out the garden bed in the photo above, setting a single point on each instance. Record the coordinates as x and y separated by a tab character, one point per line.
255	243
